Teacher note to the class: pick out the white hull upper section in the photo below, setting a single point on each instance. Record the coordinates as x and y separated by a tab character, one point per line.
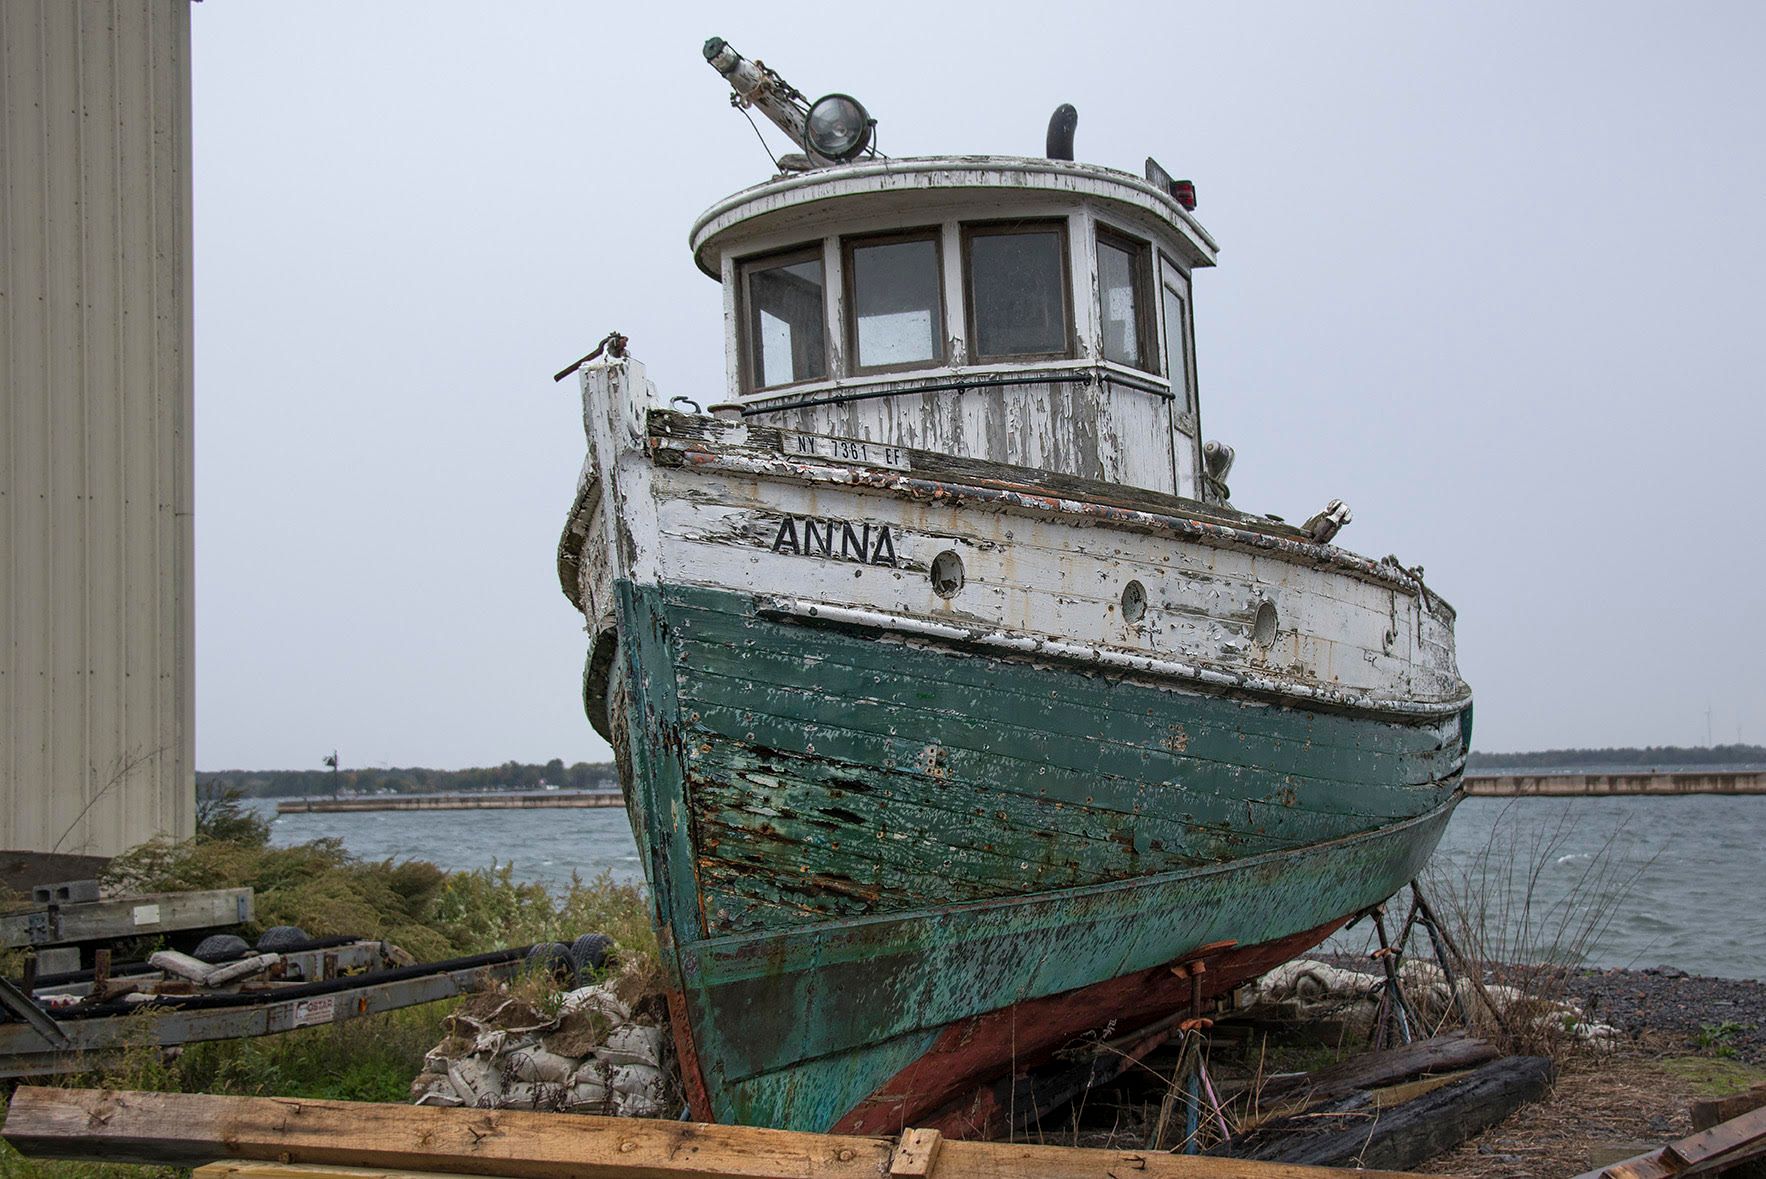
860	543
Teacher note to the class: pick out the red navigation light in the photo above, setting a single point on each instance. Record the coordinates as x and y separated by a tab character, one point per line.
1185	192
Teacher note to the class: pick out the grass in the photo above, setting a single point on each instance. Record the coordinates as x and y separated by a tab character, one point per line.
325	890
1712	1076
1513	931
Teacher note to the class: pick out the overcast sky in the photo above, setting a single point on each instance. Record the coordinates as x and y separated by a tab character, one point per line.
1489	273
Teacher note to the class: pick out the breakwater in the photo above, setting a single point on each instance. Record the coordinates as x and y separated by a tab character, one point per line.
1652	782
499	800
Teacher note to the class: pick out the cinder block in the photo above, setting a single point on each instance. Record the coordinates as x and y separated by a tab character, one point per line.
58	960
68	892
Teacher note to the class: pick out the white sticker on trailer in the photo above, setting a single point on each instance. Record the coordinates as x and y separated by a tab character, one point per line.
311	1011
146	914
843	450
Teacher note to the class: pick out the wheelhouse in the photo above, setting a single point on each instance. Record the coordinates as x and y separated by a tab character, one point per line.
1029	312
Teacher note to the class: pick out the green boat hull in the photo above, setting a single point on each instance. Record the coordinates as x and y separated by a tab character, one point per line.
856	844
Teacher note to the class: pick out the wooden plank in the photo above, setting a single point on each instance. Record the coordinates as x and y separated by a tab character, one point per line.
916	1153
237	1170
1394	1095
127	917
188	1129
1372	1070
1738	1140
1709	1152
1014	1160
1706	1114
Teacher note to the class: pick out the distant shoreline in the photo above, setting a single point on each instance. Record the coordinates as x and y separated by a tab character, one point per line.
1572	784
1628	759
489	800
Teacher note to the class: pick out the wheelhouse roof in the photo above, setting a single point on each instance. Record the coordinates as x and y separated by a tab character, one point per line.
819	201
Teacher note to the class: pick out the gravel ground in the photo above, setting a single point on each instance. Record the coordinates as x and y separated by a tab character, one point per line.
1714	1016
1706	1014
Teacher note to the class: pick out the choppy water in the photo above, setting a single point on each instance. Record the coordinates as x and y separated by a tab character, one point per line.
546	845
1683	879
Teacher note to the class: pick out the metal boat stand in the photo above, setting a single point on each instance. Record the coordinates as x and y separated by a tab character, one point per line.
1398	1020
1191	1078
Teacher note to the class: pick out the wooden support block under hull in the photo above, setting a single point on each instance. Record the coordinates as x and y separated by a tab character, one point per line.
338	1139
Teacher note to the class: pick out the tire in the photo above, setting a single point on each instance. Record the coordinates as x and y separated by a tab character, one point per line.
221	947
278	938
552	958
588	953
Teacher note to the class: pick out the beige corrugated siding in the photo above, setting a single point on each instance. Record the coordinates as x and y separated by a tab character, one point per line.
96	748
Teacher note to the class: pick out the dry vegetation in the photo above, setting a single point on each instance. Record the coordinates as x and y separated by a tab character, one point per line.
1496	912
326	891
1604	1107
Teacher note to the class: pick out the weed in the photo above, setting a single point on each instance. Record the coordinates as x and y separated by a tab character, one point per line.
1520	938
1719	1038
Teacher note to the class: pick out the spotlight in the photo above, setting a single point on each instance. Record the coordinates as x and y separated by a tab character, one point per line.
838	127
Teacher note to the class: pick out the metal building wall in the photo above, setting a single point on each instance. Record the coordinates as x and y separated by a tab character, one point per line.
96	733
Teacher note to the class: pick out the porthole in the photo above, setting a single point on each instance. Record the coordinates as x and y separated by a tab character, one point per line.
947	574
1134	602
1263	629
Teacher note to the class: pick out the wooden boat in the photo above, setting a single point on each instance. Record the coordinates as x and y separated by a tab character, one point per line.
955	706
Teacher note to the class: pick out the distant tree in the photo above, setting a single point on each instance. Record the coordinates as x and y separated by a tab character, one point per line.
511	775
1648	757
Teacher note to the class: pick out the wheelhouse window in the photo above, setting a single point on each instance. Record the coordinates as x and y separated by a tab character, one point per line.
1177	365
1017	290
894	289
785	329
1123	278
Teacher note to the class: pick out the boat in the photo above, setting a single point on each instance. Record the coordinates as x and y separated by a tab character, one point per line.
960	716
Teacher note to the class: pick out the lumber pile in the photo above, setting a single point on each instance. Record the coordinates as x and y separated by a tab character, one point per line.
1735	1147
1393	1109
190	1129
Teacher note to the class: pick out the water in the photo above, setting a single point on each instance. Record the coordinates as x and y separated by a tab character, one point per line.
545	845
1683	877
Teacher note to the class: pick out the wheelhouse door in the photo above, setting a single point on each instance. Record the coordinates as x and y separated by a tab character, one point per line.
1174	318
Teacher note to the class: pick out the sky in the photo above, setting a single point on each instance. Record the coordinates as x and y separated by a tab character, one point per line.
1490	273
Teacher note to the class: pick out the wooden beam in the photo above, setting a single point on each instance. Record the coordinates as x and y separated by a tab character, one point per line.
1708	1152
234	1170
1404	1135
1372	1070
188	1129
1706	1114
127	917
916	1152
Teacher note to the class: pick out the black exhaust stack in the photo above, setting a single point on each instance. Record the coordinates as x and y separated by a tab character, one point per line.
1061	125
